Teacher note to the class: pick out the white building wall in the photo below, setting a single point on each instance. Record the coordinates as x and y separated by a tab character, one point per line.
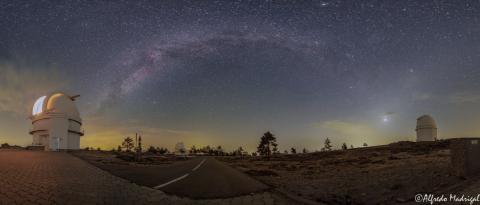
58	130
40	138
73	141
73	125
426	134
53	133
45	140
41	124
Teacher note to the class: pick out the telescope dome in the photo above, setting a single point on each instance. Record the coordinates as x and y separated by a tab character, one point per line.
56	122
61	103
426	121
56	103
426	128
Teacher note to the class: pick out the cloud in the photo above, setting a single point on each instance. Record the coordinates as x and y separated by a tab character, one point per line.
348	129
21	84
464	97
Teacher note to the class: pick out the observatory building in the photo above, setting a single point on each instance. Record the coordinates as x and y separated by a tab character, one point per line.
180	149
426	129
56	123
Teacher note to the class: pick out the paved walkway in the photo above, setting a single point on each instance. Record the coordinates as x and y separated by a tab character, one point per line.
35	177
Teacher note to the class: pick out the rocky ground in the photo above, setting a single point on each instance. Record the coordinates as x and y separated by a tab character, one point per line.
388	174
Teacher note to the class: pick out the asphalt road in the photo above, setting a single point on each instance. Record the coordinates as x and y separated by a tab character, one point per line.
197	178
210	178
45	178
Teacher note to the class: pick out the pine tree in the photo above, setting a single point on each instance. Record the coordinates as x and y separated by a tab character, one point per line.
240	151
162	150
275	148
219	151
152	150
193	150
328	146
266	141
128	144
293	150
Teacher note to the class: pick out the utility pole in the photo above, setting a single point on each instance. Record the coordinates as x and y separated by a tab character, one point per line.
138	146
136	142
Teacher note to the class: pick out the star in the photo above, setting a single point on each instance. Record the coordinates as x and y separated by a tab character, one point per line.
229	69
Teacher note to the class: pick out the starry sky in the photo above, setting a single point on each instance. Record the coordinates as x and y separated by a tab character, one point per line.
225	72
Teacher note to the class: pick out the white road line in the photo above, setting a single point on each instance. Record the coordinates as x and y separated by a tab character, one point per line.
198	166
177	179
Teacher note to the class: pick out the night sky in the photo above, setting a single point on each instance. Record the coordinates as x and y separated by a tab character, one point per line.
225	72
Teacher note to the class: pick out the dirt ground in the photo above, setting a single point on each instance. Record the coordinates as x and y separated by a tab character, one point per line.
390	174
114	158
143	172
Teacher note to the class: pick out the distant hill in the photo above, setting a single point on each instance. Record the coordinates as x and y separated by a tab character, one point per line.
7	146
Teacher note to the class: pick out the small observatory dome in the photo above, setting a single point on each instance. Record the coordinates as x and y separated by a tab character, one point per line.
426	129
56	122
180	149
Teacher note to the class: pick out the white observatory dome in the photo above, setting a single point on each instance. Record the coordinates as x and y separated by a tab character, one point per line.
426	121
56	122
426	128
57	103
